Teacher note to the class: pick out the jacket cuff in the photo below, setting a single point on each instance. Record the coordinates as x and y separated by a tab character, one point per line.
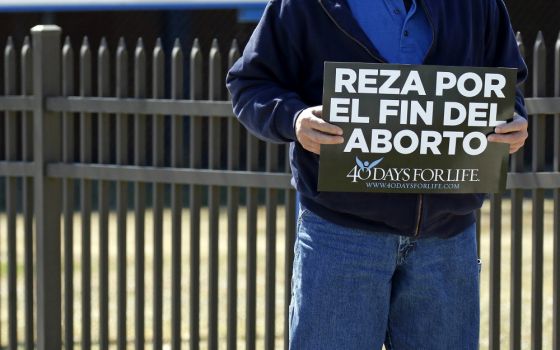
286	124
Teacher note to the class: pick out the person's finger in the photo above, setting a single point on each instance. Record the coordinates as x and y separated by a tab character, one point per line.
518	123
317	111
519	145
510	138
311	146
322	138
513	149
503	138
516	145
321	125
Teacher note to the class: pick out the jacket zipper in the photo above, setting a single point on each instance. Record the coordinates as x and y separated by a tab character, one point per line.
419	219
420	197
431	27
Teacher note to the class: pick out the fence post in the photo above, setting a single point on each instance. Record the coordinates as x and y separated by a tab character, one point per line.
46	82
538	165
556	213
517	166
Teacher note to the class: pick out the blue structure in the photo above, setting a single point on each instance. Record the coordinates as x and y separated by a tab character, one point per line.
248	10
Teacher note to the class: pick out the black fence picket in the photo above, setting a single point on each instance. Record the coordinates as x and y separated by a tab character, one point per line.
556	210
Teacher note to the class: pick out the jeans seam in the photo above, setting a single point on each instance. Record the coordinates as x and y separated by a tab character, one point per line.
389	340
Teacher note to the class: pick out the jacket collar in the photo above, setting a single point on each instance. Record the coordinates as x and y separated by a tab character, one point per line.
339	11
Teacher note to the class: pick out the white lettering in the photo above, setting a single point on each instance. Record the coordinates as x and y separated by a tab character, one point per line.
386	87
449	119
398	142
381	141
365	78
430	140
344	77
478	84
413	83
444	81
483	142
355	118
477	117
497	88
385	111
356	140
426	115
336	110
452	136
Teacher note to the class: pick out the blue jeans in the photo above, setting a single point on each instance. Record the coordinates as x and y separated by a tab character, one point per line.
358	290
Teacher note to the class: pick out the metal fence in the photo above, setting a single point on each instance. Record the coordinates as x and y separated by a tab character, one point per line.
63	144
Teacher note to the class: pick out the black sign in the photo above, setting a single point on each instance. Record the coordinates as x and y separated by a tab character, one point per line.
415	129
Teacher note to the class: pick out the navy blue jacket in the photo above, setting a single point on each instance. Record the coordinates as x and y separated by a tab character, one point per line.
281	73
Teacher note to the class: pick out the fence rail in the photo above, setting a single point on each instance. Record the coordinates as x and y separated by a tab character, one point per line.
539	106
66	142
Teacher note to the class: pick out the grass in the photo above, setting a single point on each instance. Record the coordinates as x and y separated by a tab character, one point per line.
505	312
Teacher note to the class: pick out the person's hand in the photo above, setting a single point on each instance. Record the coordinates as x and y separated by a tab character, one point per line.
312	131
514	133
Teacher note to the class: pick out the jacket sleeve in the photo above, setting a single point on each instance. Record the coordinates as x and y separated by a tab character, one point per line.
263	81
502	50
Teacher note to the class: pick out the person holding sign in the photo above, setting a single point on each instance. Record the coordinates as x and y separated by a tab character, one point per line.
384	268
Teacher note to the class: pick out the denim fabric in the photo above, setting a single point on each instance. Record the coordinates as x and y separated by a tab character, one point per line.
355	289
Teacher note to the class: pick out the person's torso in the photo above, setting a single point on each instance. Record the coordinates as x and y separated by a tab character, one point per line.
327	31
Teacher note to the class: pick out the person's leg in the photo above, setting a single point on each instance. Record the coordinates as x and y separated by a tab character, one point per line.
435	297
341	286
